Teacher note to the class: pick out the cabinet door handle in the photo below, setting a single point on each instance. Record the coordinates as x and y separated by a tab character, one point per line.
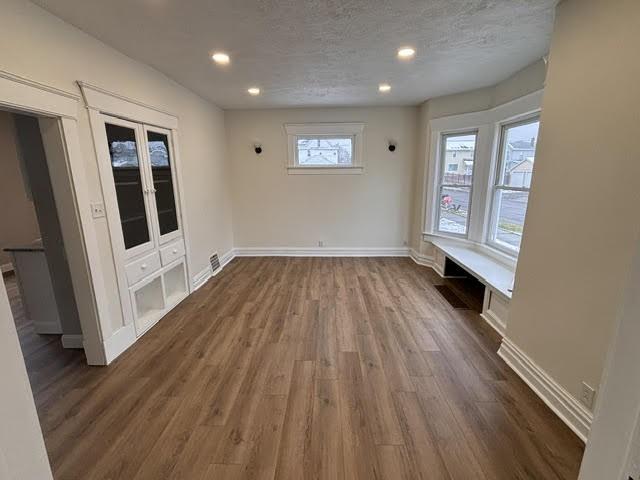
175	250
143	266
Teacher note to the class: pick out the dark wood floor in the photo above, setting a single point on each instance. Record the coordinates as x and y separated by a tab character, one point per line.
302	368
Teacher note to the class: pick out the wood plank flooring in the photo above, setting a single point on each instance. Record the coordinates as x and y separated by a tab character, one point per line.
302	368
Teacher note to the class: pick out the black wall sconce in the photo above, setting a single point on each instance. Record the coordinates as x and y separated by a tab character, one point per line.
257	147
392	146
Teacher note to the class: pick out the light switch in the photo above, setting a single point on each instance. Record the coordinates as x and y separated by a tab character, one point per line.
97	210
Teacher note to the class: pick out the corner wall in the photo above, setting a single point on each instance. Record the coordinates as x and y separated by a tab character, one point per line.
582	219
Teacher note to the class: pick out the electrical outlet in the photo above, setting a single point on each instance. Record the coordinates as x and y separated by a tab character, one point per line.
320	243
587	395
97	210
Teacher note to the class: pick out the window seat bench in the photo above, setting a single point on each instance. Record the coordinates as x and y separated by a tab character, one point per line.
496	276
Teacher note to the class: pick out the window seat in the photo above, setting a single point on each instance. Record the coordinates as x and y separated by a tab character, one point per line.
497	276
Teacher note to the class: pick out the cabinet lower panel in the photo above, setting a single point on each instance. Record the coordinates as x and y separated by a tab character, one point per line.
158	294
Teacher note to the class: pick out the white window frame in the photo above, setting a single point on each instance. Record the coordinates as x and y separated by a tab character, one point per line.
440	180
355	131
499	185
488	124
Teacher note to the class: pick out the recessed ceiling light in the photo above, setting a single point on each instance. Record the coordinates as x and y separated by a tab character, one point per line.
254	91
220	58
406	52
384	87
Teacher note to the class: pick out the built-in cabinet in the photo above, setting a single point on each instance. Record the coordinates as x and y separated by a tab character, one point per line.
138	173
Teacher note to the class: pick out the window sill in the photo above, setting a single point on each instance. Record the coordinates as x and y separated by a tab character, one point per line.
325	170
510	261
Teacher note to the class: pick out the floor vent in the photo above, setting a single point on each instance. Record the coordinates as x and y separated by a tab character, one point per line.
449	295
215	262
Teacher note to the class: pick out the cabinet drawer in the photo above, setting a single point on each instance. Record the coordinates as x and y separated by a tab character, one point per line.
139	269
172	252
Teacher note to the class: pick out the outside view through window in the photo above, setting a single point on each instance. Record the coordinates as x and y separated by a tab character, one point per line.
455	186
324	151
513	182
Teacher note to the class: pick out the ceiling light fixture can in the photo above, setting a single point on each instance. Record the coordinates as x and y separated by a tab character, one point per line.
384	87
406	52
254	91
221	58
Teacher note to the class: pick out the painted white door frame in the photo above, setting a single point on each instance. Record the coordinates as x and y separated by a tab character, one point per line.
60	109
613	441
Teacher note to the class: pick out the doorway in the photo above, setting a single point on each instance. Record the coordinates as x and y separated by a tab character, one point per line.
33	255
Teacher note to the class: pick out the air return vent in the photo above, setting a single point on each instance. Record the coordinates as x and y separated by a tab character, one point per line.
215	262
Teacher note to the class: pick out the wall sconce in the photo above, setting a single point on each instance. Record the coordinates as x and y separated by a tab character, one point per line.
257	147
392	146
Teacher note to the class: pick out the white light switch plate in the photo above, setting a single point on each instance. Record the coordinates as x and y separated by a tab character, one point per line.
97	210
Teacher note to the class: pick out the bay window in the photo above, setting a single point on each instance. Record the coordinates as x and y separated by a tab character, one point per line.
479	175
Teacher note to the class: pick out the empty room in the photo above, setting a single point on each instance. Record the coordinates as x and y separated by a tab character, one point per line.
310	239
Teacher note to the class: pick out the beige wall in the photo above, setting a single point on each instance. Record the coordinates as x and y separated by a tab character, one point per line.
17	214
527	80
45	49
583	210
22	450
274	209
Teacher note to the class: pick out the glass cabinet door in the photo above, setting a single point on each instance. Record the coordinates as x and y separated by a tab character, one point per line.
128	178
161	164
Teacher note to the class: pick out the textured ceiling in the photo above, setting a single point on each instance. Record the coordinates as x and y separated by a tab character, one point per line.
322	52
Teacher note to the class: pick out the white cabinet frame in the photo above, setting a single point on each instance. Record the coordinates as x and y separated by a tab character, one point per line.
98	102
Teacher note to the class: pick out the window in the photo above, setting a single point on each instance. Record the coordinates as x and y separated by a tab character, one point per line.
325	148
455	183
512	183
324	151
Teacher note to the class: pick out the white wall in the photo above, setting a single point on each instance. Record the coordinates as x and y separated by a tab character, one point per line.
47	50
274	209
22	452
17	213
582	219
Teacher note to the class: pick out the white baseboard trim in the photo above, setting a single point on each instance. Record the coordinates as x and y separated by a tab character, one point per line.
119	342
420	259
494	322
204	275
72	341
321	252
565	405
6	267
201	278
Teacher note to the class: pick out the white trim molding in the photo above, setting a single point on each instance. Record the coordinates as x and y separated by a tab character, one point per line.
577	417
321	252
102	100
420	259
353	130
117	343
72	341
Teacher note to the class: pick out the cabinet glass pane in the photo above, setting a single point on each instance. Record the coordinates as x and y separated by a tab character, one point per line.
163	181
125	166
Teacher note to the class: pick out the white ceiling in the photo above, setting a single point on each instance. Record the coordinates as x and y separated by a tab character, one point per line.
321	52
